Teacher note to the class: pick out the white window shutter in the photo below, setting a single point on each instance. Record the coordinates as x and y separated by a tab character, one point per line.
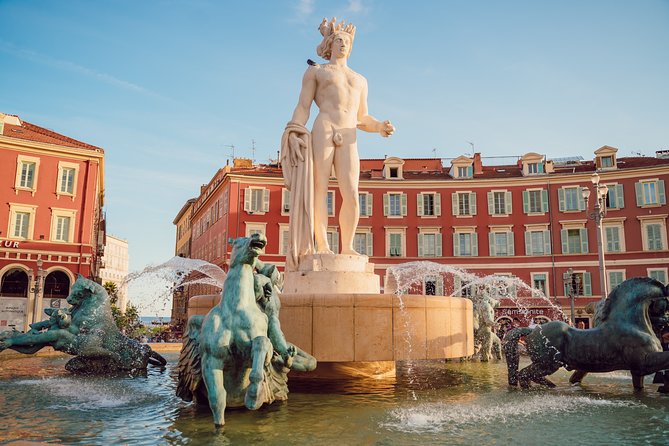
404	204
620	196
547	242
661	193
584	240
510	248
565	241
581	200
638	187
456	244
587	284
544	200
508	203
491	243
475	244
265	200
491	203
437	243
419	205
528	243
454	203
420	245
369	204
247	199
370	244
335	242
437	204
561	200
386	205
526	202
472	202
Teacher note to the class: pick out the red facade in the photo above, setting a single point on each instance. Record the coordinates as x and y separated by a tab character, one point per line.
51	227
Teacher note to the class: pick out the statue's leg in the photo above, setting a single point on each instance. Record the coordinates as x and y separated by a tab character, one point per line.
32	340
637	381
303	361
261	352
577	377
537	372
486	346
212	372
347	166
323	151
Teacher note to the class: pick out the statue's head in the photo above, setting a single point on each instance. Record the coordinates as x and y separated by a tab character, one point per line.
246	249
83	289
337	38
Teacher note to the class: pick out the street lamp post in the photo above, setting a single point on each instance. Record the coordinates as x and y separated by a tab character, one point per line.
598	213
36	289
572	282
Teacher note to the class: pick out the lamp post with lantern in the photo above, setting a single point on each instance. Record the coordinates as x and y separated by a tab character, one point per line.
37	289
598	213
572	283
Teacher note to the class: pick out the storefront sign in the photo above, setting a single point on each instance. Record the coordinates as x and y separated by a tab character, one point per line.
528	314
9	244
12	313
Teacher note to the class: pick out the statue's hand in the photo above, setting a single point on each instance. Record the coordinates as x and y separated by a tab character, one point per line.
288	355
296	145
387	129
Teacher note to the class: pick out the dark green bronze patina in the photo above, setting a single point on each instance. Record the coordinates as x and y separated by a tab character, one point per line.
86	330
623	340
237	355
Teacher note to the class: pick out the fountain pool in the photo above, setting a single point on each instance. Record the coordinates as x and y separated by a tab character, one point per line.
437	403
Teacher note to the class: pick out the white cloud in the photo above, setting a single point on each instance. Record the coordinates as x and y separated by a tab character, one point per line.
304	8
355	6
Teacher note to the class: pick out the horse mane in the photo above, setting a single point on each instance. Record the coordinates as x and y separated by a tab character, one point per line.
621	291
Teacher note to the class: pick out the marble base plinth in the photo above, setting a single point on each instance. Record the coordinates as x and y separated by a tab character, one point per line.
332	273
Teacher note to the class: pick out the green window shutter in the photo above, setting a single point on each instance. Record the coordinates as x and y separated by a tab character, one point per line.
420	245
491	203
437	204
454	203
440	286
472	202
544	200
587	284
581	200
470	171
620	196
247	199
404	204
457	284
507	203
528	243
475	244
419	204
370	244
638	187
565	241
335	241
510	248
456	244
526	202
584	240
386	205
265	200
437	245
547	242
491	243
660	188
541	167
561	199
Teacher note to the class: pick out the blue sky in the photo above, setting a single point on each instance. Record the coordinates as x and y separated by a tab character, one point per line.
166	86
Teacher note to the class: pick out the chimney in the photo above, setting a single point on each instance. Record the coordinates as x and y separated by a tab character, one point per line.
478	165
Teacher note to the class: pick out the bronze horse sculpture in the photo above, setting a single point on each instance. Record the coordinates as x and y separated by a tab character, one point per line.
624	340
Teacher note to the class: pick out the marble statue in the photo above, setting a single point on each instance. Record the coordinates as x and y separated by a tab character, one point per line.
487	341
623	340
88	331
237	355
308	158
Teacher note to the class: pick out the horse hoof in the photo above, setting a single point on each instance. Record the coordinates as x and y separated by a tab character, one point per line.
253	399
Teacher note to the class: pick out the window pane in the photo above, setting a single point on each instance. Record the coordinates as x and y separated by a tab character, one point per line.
27	175
395	201
360	243
21	224
362	202
537	239
465	244
574	239
535	200
428	204
463	203
571	199
498	203
395	242
500	244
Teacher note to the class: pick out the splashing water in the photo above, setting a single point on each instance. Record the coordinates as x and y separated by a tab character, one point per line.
154	285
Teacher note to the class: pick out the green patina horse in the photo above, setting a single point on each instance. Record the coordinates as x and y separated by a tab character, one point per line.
624	340
238	350
88	331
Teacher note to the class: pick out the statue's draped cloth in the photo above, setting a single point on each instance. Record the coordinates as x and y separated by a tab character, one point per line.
298	174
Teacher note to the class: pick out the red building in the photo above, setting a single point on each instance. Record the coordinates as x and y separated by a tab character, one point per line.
51	224
526	219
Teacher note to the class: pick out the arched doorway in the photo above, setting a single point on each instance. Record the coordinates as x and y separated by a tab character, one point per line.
56	285
14	283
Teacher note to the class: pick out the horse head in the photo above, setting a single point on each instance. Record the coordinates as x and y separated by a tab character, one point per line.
83	289
633	295
245	250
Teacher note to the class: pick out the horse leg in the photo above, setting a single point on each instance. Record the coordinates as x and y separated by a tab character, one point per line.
577	377
212	372
261	352
537	372
637	381
486	346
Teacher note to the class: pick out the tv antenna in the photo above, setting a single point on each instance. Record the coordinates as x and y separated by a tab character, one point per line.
232	148
471	144
253	151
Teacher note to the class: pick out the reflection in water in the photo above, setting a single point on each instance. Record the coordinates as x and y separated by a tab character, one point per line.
456	403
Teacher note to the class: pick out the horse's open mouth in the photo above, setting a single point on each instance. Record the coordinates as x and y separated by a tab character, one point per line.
258	244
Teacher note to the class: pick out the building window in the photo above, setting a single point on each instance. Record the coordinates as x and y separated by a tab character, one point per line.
615	198
465	244
429	243
571	199
284	234
650	193
537	242
256	200
613	238
395	242
574	241
659	274
535	201
465	172
21	225
362	243
433	286
27	168
464	203
532	168
501	243
428	204
62	229
21	221
67	178
462	288
285	201
331	203
392	168
581	285
654	239
365	204
499	203
394	204
607	161
333	239
62	225
256	228
539	282
615	278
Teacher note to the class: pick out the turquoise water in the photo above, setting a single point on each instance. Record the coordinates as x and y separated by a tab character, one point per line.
433	403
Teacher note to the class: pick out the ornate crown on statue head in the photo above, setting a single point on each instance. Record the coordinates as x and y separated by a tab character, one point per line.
328	30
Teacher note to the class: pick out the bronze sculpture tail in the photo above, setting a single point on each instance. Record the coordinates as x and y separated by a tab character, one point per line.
511	354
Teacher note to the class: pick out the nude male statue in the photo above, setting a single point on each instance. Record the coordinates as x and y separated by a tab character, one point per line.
341	96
